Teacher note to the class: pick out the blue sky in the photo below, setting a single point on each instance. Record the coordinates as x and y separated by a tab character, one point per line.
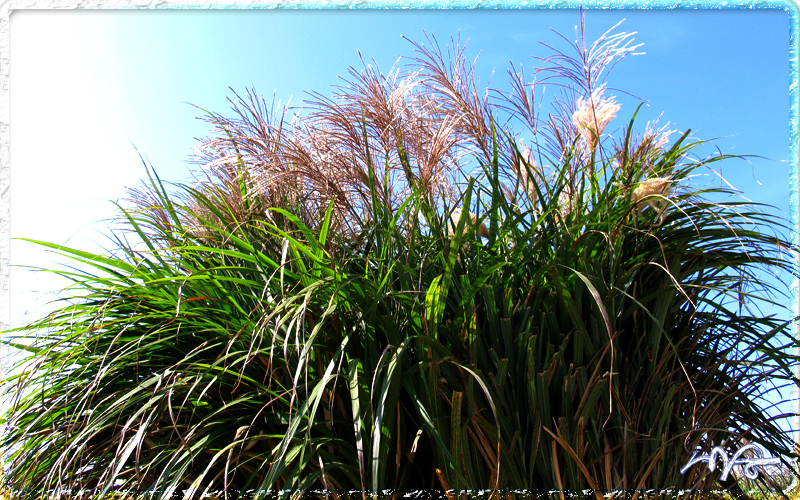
89	88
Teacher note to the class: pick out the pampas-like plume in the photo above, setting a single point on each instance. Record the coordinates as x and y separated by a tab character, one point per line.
592	115
483	231
652	193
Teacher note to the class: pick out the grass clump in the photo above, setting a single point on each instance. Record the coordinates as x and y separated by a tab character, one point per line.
393	292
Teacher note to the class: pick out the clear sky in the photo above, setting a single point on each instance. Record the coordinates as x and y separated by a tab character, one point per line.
89	88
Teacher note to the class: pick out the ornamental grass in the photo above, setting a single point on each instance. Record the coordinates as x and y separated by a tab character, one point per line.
392	293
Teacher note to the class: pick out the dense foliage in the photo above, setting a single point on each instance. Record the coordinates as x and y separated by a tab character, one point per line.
393	292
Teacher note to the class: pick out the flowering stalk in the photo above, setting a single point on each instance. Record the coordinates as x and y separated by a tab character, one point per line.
592	116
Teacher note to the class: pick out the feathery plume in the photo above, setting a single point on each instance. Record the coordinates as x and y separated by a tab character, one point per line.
651	193
483	231
657	136
592	115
